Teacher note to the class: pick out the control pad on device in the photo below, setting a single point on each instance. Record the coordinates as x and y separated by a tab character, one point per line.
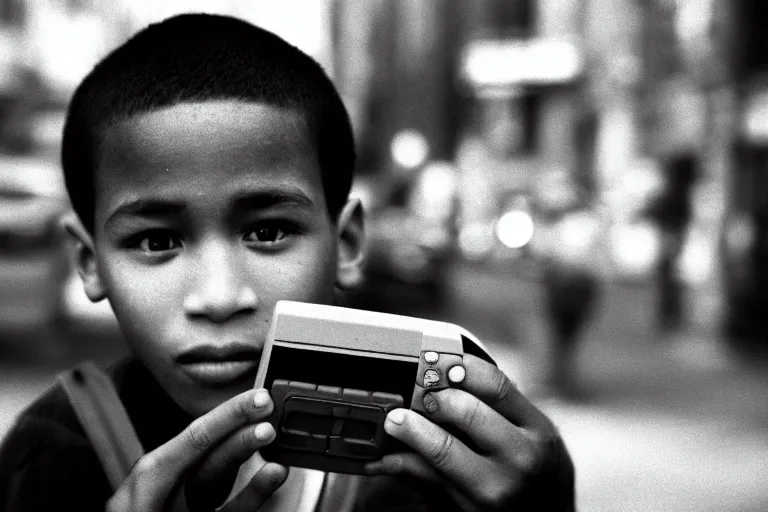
432	375
342	422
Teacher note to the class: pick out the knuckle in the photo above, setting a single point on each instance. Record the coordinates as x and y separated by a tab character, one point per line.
551	432
549	449
394	465
198	435
526	459
545	442
146	465
538	437
244	407
247	439
495	494
440	452
549	441
502	387
471	412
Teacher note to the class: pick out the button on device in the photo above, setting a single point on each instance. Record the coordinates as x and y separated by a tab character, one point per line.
329	390
300	386
387	398
431	357
431	378
355	395
457	374
426	376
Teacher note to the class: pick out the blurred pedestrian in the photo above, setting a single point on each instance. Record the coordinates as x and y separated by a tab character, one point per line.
571	287
671	211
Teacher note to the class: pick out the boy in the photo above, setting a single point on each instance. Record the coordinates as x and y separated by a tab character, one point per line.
209	163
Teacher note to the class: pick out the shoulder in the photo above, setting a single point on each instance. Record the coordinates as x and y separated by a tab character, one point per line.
46	460
49	421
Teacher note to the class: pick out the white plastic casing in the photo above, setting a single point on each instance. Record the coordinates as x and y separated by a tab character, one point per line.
345	330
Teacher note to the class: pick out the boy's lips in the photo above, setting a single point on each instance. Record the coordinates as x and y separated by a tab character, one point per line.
216	365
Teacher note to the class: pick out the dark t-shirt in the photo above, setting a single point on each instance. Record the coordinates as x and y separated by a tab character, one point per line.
47	461
48	464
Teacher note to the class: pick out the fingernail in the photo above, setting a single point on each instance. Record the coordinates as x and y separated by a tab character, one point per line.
261	398
430	403
457	374
263	431
396	416
373	468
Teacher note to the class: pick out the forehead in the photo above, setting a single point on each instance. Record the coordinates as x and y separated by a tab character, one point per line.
205	150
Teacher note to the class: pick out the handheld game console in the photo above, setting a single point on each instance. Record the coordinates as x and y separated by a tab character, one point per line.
334	373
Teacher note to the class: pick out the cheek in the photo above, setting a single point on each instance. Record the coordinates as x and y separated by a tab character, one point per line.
306	279
145	299
300	281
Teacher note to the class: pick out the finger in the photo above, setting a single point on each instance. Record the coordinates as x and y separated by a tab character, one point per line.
123	501
404	465
120	501
261	487
489	431
157	473
493	387
207	431
448	455
213	481
418	474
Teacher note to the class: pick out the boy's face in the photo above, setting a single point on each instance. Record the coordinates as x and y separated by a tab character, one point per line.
206	215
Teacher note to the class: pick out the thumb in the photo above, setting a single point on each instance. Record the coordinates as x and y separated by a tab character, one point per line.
261	487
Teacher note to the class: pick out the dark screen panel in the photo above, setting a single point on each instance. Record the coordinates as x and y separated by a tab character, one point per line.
342	370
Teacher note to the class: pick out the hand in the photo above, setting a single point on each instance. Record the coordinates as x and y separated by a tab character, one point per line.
204	458
512	457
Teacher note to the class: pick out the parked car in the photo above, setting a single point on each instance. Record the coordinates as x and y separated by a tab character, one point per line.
33	261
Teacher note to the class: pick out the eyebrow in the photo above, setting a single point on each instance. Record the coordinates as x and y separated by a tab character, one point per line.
251	200
147	207
262	199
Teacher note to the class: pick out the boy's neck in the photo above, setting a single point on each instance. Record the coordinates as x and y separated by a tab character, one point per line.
155	416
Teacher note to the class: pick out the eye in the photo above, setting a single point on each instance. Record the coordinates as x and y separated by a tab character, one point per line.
158	241
266	233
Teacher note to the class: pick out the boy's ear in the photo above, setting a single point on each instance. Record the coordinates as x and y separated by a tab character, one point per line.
85	258
350	236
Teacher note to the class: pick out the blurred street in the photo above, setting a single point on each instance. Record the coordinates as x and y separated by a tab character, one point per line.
662	424
672	424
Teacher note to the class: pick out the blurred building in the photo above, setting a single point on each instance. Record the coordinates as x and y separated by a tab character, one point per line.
48	46
490	85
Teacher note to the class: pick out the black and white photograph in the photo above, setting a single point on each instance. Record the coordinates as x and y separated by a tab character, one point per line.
417	255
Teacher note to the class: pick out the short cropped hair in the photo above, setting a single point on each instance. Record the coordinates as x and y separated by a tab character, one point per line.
203	57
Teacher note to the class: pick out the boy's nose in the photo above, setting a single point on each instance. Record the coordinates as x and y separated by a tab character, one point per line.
220	290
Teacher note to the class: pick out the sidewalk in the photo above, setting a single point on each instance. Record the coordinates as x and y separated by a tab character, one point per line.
666	424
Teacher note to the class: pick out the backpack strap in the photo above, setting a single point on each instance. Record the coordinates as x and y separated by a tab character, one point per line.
104	419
